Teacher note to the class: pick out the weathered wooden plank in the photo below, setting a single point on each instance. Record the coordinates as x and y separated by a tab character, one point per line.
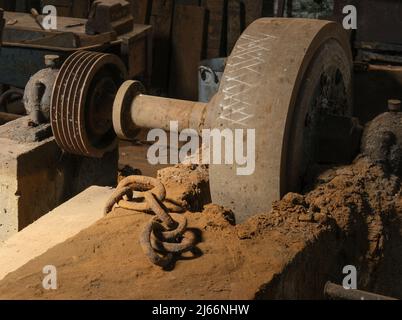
235	23
216	22
268	8
187	48
253	10
188	2
142	11
161	21
80	9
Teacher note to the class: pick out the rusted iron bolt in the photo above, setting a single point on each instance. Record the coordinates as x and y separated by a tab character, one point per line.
52	60
394	105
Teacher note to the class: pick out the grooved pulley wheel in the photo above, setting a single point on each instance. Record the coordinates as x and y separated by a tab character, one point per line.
82	103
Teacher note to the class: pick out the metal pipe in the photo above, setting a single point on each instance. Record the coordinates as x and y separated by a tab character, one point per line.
7	117
337	292
156	112
7	94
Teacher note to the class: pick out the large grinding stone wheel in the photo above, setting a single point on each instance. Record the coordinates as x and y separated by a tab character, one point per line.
82	102
282	75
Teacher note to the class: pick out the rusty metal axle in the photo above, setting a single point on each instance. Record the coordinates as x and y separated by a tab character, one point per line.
7	117
337	292
134	109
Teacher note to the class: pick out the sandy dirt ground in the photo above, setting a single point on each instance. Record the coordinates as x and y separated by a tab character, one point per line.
348	217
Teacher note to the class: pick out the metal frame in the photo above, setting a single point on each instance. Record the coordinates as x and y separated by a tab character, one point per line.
25	44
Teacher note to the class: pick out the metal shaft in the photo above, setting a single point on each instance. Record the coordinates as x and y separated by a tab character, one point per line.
7	117
337	292
156	112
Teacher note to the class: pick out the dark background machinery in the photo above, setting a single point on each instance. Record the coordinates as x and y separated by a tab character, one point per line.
85	83
376	43
29	52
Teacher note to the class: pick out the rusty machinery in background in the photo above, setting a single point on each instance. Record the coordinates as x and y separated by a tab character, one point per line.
377	50
65	8
291	80
377	44
113	49
256	94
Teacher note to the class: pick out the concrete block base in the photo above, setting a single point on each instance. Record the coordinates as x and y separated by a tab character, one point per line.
36	177
53	228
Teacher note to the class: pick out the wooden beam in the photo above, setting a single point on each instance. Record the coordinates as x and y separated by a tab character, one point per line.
142	11
235	23
253	10
161	21
187	48
216	22
7	117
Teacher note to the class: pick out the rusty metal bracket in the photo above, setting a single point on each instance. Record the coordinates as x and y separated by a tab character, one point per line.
110	16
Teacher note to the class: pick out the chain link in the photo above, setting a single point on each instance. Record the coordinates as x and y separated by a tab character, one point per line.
166	234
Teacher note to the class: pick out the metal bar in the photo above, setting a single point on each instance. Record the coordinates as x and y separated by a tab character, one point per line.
7	117
337	292
157	112
101	46
2	23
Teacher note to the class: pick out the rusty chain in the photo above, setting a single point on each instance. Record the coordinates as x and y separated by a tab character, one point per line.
166	234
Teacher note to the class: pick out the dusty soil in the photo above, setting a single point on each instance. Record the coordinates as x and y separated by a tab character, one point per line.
187	186
289	252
